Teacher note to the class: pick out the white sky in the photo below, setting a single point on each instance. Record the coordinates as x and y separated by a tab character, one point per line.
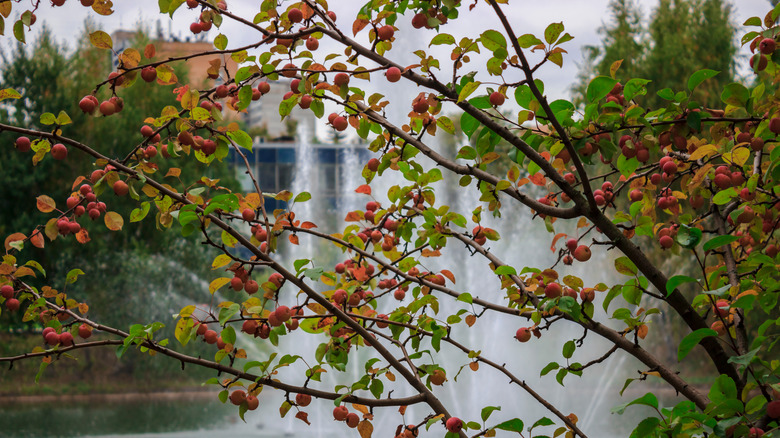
580	17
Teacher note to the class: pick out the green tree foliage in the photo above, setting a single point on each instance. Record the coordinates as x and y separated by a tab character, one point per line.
681	37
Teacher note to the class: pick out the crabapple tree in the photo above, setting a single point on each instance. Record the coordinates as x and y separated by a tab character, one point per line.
693	184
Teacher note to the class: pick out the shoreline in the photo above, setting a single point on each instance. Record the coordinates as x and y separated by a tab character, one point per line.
192	394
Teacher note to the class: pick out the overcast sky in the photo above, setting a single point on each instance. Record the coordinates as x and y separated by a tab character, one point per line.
581	19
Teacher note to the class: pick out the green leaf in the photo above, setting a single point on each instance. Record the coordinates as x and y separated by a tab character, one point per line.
528	40
73	275
688	237
718	241
241	138
599	87
302	197
648	399
676	281
467	90
139	213
752	21
513	425
19	31
699	77
735	94
505	270
492	40
692	340
220	42
48	119
487	410
568	349
9	93
724	196
552	32
625	266
635	87
442	38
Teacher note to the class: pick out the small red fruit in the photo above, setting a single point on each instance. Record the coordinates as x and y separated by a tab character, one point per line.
248	214
236	283
85	331
210	336
523	334
773	409
295	15
582	253
237	397
252	402
497	99
385	33
23	144
312	43
341	79
59	151
302	400
454	424
121	188
552	290
340	413
251	287
767	46
149	74
419	21
7	292
340	123
66	339
352	420
393	74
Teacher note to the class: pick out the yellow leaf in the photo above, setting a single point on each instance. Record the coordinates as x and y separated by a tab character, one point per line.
704	151
218	283
24	271
101	40
220	261
738	156
114	221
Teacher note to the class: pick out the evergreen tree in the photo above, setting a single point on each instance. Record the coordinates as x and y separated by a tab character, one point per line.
682	37
621	40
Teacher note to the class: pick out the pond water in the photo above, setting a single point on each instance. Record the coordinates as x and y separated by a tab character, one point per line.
189	416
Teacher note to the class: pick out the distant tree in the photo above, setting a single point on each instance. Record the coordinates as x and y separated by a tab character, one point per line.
682	37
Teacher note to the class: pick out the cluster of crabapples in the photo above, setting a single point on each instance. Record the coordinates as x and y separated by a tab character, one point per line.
205	18
50	335
766	47
9	294
64	338
341	413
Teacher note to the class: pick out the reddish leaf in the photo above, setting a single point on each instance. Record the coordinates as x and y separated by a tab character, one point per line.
308	225
365	188
36	238
303	416
149	51
448	274
293	239
365	428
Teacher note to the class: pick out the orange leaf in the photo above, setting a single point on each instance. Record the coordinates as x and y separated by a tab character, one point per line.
36	238
538	179
365	188
555	240
582	223
254	200
308	225
471	320
358	25
45	204
402	410
360	274
523	181
293	239
83	236
173	171
448	274
77	182
390	376
24	271
83	308
429	253
360	408
13	238
365	428
642	330
354	216
474	366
